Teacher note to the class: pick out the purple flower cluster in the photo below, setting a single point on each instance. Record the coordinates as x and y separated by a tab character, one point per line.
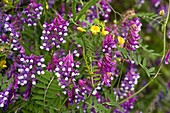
4	39
107	69
32	13
131	29
128	83
78	93
54	33
13	25
105	14
7	96
28	67
65	70
126	106
108	44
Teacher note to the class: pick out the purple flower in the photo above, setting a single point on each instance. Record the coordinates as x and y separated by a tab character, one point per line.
167	57
32	12
54	33
128	83
78	93
140	2
108	44
163	7
156	3
168	33
13	26
126	106
107	69
4	39
65	70
7	96
130	32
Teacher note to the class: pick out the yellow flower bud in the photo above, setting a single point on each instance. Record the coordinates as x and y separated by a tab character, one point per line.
121	40
81	29
46	5
3	64
161	12
115	22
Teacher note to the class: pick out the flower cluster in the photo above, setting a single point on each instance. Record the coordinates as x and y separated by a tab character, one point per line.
126	106
107	69
28	67
109	43
54	33
128	83
32	12
7	96
78	93
131	30
64	70
13	25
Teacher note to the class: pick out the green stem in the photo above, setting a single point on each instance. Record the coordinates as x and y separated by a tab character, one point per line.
48	88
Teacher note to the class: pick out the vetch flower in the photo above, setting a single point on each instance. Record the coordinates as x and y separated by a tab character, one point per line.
109	43
167	57
54	33
95	29
65	71
130	32
126	106
128	83
33	12
107	69
156	3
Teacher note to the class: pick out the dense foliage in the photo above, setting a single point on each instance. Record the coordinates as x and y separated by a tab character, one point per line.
78	56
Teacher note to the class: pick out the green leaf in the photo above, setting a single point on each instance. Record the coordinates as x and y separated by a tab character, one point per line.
85	8
74	9
144	62
139	59
40	85
38	97
42	80
40	103
151	69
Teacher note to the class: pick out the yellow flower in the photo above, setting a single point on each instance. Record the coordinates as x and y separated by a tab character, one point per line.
95	29
104	32
81	29
161	12
2	64
6	1
121	40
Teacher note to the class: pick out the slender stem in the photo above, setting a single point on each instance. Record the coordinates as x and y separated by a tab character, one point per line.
161	64
47	88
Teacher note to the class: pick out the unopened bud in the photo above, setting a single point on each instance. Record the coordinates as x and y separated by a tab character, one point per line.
161	12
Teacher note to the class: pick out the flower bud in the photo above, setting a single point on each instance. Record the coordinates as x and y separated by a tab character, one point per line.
161	12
